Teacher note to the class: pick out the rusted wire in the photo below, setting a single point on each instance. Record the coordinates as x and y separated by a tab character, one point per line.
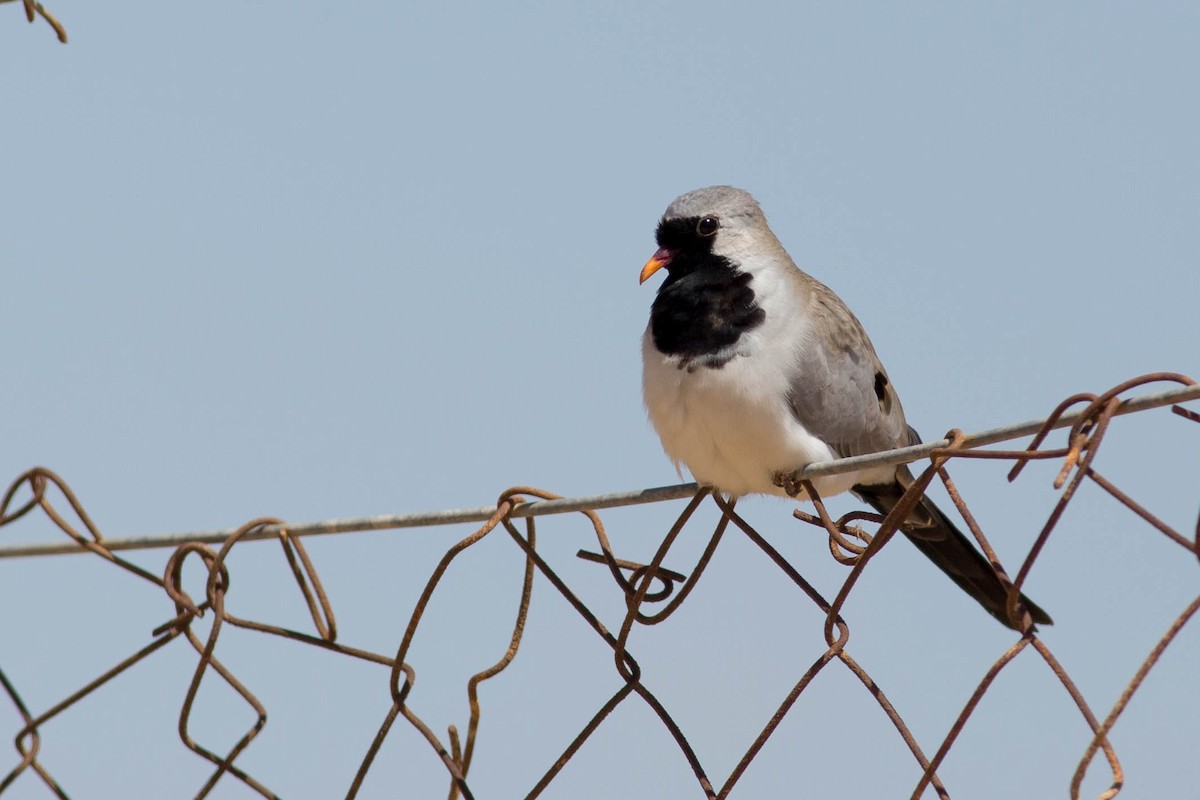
34	9
901	455
854	540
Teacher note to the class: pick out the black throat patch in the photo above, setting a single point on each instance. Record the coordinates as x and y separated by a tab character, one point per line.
702	310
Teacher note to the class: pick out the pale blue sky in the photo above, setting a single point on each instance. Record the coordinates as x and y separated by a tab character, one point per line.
331	260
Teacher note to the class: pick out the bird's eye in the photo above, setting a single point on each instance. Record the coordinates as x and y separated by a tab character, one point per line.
707	226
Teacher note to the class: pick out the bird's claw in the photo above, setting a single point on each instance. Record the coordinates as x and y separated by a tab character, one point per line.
788	482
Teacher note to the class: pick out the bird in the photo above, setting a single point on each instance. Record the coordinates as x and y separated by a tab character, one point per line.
752	370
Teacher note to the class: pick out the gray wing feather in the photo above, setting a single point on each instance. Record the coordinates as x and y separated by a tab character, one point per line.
841	391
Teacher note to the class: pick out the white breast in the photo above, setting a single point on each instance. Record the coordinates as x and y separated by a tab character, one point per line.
732	426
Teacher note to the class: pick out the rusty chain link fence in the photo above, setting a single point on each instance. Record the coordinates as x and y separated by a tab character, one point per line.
650	592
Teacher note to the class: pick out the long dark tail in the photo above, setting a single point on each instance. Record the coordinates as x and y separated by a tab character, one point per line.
945	545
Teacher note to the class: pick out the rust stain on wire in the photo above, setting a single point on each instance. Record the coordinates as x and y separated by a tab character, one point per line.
34	9
903	455
854	540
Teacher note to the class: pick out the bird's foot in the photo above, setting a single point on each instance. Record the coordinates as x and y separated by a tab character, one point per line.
790	482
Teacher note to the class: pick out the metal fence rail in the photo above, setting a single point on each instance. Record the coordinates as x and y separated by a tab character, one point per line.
651	594
537	508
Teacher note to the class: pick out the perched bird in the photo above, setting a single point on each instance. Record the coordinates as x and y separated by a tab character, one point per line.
753	370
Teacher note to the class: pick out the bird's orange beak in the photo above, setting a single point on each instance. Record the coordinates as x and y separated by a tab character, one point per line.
660	259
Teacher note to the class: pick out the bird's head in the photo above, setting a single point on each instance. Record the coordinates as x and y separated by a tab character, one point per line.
717	221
